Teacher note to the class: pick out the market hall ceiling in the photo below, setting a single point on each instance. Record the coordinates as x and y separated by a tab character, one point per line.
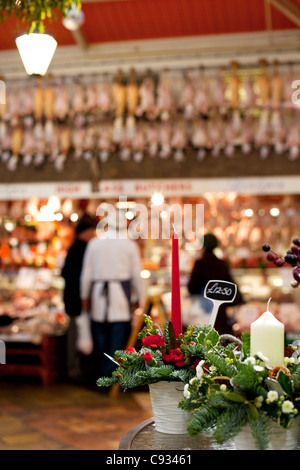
124	20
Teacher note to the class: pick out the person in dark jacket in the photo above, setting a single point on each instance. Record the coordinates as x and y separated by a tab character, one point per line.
207	268
71	272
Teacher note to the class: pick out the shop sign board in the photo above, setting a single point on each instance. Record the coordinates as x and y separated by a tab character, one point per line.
183	187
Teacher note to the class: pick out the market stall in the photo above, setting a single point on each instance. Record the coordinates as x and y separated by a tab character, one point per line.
211	120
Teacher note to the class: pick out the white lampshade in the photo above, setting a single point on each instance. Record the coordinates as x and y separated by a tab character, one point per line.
36	51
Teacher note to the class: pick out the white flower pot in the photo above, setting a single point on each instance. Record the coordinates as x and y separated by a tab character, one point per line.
168	418
280	439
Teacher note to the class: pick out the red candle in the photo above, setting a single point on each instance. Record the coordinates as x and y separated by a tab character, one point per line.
176	301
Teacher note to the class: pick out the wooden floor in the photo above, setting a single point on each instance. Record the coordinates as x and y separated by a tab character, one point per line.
67	417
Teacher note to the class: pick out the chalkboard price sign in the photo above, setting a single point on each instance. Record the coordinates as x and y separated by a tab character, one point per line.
219	292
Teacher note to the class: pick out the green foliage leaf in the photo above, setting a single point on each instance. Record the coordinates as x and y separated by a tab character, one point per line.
285	383
213	338
35	12
232	396
229	423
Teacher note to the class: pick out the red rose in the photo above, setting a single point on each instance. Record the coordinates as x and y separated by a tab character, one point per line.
195	363
177	357
130	350
166	358
148	357
153	341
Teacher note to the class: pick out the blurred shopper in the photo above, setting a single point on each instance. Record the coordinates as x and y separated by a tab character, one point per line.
207	268
111	272
71	272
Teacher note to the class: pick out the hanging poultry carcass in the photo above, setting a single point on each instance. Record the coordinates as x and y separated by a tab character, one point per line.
219	92
139	143
147	104
16	145
165	135
247	134
104	99
187	98
119	95
78	138
250	99
165	98
202	97
293	140
38	100
105	144
91	97
152	136
28	147
132	101
199	138
78	100
216	136
64	148
179	140
89	141
62	104
49	99
125	146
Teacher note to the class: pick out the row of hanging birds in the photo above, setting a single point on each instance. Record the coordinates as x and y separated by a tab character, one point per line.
34	145
162	116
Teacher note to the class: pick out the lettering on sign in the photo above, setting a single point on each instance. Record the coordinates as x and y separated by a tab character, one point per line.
220	291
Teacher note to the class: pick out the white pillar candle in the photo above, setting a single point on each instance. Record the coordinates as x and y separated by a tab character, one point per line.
267	337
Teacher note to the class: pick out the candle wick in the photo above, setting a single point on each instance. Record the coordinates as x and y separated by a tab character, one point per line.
269	303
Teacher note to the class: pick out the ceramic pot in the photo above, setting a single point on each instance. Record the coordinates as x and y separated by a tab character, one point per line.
280	439
168	418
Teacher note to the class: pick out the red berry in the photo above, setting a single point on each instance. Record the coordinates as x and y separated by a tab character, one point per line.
279	262
296	273
271	257
295	249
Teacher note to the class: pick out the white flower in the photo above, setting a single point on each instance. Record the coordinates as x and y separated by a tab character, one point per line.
223	388
193	380
261	357
287	406
289	360
199	370
186	392
272	396
250	360
258	368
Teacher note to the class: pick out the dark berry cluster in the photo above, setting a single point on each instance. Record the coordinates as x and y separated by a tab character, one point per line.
292	258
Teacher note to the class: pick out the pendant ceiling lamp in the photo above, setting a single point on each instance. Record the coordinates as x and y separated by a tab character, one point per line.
36	50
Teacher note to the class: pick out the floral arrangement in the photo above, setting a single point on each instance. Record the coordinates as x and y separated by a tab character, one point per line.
35	13
231	389
161	357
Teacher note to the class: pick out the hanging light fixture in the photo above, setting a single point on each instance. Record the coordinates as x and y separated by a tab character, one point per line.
36	50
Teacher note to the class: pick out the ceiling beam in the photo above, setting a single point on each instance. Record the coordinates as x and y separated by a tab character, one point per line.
289	9
80	39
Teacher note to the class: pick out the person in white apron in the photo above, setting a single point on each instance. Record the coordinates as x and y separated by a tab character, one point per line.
111	271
